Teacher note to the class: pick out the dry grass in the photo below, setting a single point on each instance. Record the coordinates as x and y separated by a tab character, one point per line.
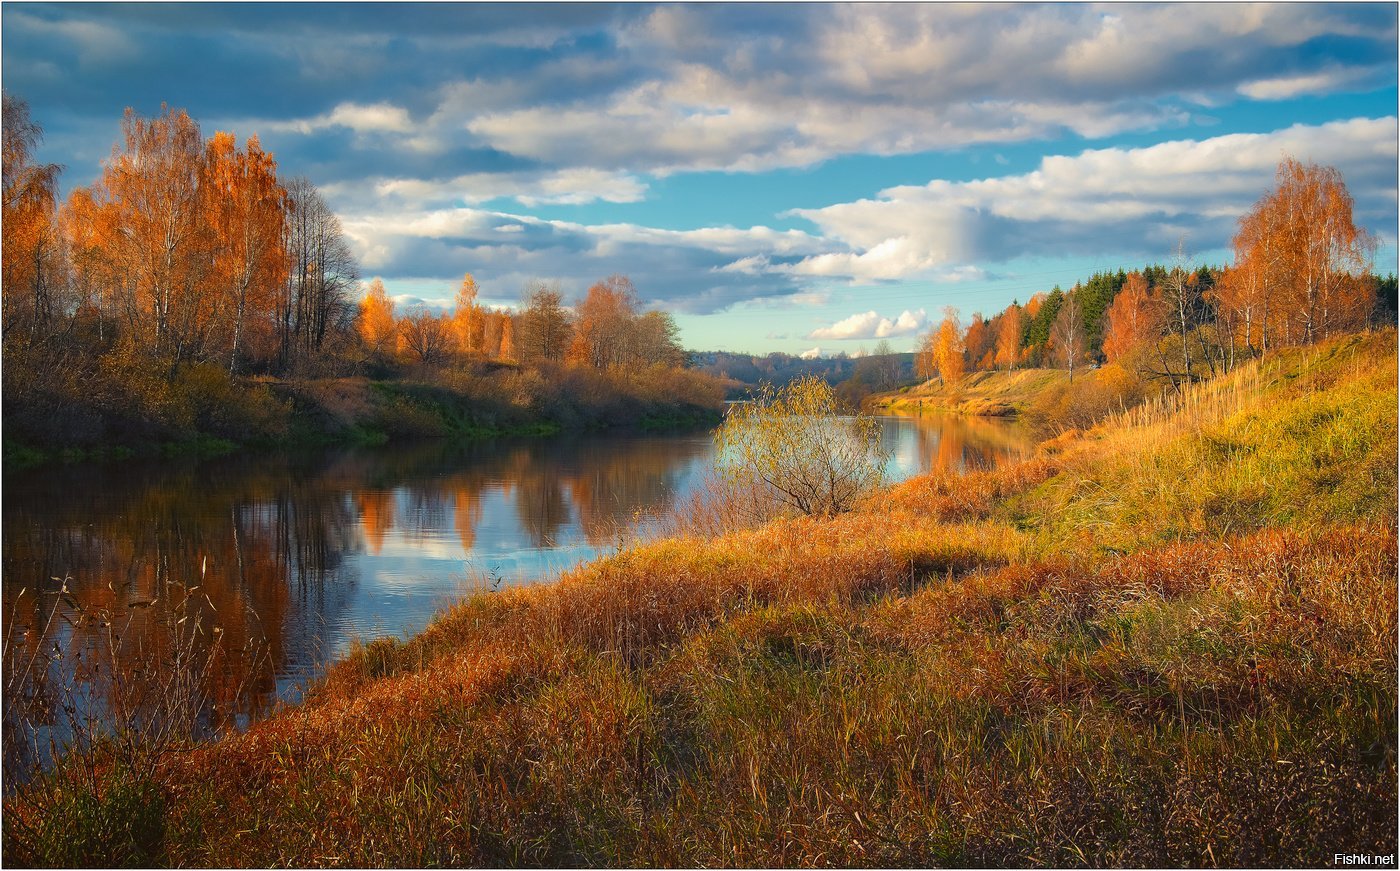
985	394
1106	655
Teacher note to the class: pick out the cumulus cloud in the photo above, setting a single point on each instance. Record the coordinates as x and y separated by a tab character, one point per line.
811	353
1130	200
870	325
786	87
458	108
670	88
1134	202
681	268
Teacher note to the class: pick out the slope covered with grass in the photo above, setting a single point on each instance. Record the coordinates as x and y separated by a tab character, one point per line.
989	394
1170	640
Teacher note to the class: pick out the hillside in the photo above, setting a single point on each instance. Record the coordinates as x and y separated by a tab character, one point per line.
1153	643
987	394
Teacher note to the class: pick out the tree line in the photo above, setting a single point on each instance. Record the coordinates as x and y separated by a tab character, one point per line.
1301	273
192	286
184	250
196	250
607	329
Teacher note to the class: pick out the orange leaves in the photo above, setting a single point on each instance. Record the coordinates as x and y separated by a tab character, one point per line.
182	241
245	210
377	327
948	348
1008	344
28	220
1134	318
1299	260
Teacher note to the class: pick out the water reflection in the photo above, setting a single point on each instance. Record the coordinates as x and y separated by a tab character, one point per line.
303	553
950	443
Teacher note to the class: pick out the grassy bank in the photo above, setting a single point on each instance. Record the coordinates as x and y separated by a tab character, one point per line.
987	394
1169	640
201	410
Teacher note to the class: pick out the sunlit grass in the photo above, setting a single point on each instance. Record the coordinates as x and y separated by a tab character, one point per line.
1167	641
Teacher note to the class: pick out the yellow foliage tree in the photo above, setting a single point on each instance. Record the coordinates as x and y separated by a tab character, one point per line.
467	319
948	348
1008	344
378	329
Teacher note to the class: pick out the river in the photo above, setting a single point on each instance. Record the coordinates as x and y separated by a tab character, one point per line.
296	556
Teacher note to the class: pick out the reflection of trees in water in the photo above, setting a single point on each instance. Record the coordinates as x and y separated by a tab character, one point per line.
611	487
955	444
253	540
604	482
376	509
265	538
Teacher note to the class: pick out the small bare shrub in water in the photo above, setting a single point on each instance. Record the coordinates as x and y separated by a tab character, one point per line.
791	444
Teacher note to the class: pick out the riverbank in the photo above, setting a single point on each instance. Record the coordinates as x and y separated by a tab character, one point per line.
979	394
202	411
1143	646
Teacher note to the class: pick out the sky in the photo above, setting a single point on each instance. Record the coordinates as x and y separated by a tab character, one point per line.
791	177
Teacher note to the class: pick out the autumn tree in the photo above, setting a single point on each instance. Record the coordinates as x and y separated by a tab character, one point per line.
545	331
978	343
155	238
425	335
602	333
28	222
468	320
245	209
793	444
609	331
1067	333
378	329
1302	246
1008	341
656	340
1237	301
948	348
1134	319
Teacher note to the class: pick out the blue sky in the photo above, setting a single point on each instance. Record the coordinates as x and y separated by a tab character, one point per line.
781	177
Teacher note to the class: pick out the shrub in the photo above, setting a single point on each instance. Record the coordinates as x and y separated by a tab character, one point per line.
1082	403
792	443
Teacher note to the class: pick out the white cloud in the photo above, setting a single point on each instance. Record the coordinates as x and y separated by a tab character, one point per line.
573	186
783	88
1129	200
1132	202
361	118
811	353
1292	86
870	325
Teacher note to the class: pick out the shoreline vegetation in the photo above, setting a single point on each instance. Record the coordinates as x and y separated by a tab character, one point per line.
194	298
476	402
1158	637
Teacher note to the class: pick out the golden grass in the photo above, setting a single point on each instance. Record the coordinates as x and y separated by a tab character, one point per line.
1168	641
985	394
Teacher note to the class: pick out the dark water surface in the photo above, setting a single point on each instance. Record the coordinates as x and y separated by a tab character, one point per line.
301	554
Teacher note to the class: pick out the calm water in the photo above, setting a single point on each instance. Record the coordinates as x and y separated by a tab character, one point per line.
300	555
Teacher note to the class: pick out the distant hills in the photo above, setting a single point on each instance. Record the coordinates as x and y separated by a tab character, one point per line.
744	371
